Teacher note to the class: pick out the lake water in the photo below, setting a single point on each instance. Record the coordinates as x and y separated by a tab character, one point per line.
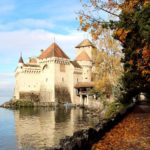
36	128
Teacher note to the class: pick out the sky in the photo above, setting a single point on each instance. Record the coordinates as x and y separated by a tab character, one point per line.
27	26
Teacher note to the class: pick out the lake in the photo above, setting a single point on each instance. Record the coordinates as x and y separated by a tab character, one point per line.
37	128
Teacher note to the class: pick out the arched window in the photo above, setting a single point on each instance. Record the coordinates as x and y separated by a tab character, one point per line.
45	67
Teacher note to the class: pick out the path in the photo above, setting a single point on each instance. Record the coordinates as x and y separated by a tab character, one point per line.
132	133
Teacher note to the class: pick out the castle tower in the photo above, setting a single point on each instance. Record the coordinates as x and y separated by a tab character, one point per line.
84	58
87	46
55	65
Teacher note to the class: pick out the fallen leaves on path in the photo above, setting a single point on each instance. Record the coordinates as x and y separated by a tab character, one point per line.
132	133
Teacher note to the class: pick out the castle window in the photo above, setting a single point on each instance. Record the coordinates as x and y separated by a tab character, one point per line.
77	79
62	79
62	68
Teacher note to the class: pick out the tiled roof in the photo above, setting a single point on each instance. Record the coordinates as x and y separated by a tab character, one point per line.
85	43
84	84
75	64
53	51
83	56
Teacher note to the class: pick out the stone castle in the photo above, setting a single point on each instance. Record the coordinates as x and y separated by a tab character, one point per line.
52	77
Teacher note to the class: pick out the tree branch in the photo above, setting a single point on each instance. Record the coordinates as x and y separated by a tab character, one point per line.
107	11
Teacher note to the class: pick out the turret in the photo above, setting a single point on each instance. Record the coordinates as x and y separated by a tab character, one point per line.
86	46
85	57
20	62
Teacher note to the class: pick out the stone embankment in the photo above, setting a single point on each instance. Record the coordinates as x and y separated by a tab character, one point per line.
84	139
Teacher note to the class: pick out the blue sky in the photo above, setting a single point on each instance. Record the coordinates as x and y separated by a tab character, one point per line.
28	26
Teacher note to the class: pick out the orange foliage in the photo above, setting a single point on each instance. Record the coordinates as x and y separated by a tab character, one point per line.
121	34
80	20
146	52
95	25
131	62
129	5
132	133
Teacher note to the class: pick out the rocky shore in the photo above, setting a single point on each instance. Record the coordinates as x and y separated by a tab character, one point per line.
26	103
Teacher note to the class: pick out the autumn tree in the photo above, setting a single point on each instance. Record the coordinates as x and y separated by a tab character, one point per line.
131	26
108	68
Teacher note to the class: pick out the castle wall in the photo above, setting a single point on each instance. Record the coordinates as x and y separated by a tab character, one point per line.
27	80
63	76
86	74
47	81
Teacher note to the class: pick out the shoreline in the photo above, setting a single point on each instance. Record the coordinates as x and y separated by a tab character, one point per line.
85	138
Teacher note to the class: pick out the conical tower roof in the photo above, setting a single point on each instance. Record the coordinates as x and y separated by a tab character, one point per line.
21	60
53	51
85	43
83	56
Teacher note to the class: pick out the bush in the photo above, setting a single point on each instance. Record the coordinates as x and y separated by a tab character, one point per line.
114	108
23	103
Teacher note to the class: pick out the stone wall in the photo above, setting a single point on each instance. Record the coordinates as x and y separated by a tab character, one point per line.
29	96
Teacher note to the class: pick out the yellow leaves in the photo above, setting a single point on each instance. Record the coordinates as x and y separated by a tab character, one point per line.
85	27
121	34
81	19
95	25
129	5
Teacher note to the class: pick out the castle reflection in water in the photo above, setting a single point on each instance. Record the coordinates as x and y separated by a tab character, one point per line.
43	127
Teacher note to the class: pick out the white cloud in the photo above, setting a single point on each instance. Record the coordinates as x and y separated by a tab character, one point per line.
30	42
27	23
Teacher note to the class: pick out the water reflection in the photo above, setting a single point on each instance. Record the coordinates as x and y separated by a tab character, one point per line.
37	128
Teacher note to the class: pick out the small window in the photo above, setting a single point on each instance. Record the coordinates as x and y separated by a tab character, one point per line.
77	79
62	79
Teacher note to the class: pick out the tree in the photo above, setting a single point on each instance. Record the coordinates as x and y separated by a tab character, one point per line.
131	27
108	68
